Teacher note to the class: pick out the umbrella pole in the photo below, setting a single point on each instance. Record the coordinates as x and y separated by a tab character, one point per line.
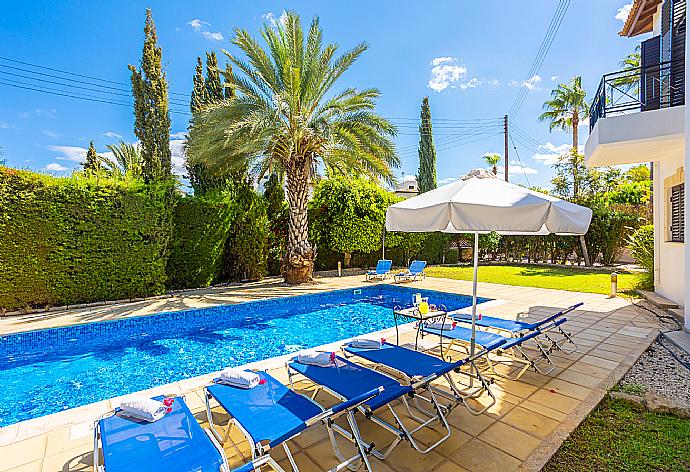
474	293
383	244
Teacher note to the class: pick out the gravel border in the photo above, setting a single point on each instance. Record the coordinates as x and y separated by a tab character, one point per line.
657	370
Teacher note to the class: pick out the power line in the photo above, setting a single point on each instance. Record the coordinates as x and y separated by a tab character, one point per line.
520	162
77	75
543	51
79	88
89	98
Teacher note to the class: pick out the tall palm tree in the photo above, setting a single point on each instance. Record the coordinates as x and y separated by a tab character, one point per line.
126	161
492	159
286	118
564	110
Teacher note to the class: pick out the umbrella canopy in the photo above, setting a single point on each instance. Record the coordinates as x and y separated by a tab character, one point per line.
479	202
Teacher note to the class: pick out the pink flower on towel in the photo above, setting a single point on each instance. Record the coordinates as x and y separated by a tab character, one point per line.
168	402
452	326
383	340
333	357
262	381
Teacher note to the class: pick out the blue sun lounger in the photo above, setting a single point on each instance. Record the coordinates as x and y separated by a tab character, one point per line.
383	269
416	365
515	328
511	348
270	414
415	270
174	443
347	380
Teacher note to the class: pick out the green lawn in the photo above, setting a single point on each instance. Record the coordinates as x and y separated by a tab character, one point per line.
561	278
616	436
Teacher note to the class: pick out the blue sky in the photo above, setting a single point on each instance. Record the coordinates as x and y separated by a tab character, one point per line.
470	58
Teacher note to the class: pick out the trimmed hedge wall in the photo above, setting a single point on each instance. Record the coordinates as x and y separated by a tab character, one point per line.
202	225
80	239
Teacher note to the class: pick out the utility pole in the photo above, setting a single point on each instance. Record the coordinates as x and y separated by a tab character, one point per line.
505	145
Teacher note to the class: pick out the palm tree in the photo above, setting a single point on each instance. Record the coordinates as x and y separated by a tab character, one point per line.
493	159
126	161
564	111
285	118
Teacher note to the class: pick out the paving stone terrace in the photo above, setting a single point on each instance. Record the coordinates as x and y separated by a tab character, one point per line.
520	432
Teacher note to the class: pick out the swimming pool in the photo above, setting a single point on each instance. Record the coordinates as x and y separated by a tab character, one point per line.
51	370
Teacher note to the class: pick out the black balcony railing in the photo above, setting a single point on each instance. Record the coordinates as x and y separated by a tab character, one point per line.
640	89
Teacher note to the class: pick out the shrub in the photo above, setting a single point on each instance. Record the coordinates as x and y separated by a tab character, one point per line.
278	218
80	239
348	215
202	225
246	245
641	244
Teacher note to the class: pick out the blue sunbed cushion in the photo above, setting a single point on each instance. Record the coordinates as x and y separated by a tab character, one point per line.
175	443
268	412
492	322
489	341
350	380
409	362
417	267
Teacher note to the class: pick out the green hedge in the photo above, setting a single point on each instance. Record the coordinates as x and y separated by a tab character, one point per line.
201	227
80	239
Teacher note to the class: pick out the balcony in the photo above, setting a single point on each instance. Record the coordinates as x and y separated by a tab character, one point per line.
638	115
638	90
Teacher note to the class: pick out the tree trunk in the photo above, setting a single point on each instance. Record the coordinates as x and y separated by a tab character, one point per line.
576	124
298	262
585	253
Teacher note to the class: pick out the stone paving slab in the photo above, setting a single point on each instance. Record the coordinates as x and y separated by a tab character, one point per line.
531	418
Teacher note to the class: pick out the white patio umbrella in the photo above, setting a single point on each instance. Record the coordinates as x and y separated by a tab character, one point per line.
480	203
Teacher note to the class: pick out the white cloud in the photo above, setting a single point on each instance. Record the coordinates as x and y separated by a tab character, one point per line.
450	72
178	156
51	134
215	36
623	12
112	134
409	178
271	19
69	153
552	153
445	72
530	84
198	24
514	167
447	180
555	78
56	167
204	27
44	112
179	135
584	123
5	125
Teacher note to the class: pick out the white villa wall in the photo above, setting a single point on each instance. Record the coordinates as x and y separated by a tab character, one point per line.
669	270
686	261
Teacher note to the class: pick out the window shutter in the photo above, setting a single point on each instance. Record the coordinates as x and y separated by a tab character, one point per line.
678	213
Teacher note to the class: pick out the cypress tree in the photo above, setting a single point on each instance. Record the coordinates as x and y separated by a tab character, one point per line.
214	88
426	178
151	114
92	163
199	91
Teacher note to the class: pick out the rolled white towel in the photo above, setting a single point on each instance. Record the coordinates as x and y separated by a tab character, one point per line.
239	378
445	326
320	359
363	343
144	408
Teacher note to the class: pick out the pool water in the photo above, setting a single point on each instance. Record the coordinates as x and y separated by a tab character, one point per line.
47	371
